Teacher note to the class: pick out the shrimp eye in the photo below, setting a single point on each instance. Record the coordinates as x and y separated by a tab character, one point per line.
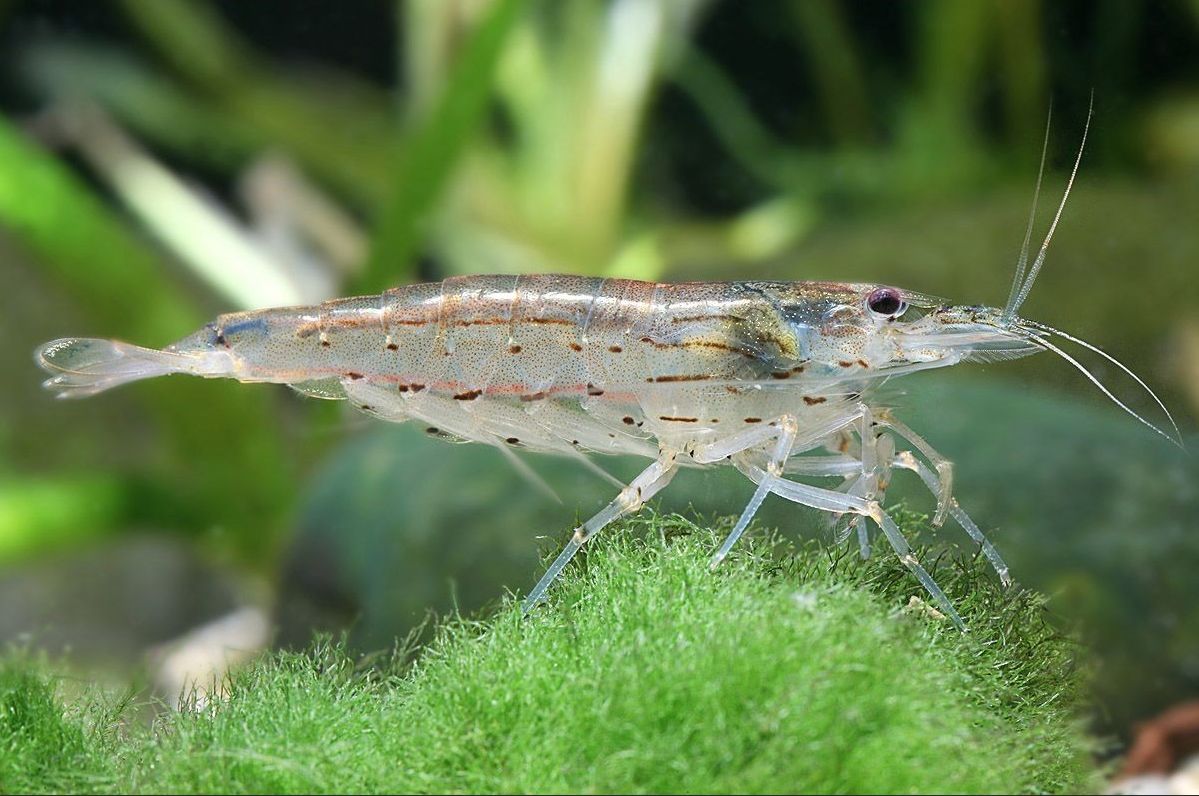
886	301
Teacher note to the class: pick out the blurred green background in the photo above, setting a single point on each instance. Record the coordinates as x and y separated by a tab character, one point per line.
162	161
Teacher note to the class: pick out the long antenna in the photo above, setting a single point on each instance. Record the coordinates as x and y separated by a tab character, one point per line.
1022	261
1009	312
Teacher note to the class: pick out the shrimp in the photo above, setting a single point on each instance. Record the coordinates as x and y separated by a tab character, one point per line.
776	379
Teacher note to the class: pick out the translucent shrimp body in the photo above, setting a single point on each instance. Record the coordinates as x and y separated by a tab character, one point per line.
773	378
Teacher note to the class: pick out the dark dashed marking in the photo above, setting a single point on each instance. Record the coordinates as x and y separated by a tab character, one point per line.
678	419
392	347
480	322
513	441
786	374
469	395
733	390
593	390
576	347
533	396
810	401
628	421
615	349
402	388
696	318
325	344
514	349
357	321
365	406
353	375
703	344
681	377
845	363
714	420
753	420
416	387
863	363
432	430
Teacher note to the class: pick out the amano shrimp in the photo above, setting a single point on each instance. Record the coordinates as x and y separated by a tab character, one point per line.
776	379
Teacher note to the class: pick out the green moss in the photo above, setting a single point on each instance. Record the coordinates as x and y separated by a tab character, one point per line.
784	671
44	747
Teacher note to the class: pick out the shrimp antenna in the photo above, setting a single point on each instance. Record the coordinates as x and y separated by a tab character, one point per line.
1041	341
1009	312
1044	328
1022	260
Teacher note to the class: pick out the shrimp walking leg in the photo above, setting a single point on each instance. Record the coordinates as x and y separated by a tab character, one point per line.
631	498
906	461
786	430
867	484
831	500
943	466
785	433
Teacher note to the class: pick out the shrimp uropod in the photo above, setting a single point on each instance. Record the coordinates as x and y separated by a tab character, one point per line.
776	379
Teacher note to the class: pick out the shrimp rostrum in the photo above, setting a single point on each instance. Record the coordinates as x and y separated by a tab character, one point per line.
776	379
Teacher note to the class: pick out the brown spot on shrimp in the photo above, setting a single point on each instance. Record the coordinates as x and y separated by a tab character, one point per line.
628	421
514	349
469	395
392	347
593	390
810	401
753	420
615	349
534	396
670	419
576	347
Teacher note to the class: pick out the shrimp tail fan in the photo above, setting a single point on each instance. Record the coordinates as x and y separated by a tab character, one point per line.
80	367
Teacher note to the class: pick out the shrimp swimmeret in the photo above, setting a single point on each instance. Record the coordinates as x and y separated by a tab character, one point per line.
773	378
